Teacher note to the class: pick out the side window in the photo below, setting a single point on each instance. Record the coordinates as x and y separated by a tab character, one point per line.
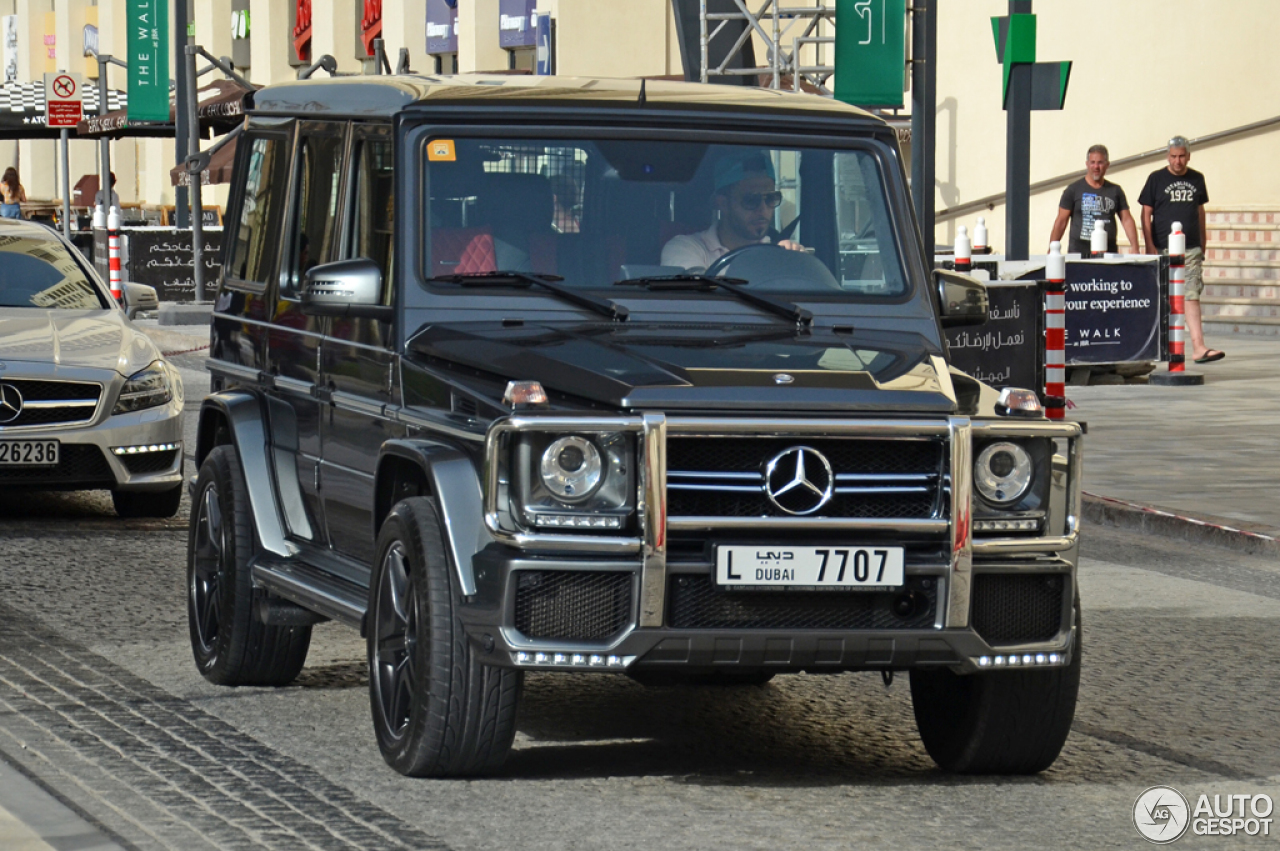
373	219
257	235
316	223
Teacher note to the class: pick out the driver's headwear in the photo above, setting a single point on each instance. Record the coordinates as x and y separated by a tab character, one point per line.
731	168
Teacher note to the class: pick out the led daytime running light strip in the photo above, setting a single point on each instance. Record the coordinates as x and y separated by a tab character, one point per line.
1024	660
1006	525
575	660
150	447
578	521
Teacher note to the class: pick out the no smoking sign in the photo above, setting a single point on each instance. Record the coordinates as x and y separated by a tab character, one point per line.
63	99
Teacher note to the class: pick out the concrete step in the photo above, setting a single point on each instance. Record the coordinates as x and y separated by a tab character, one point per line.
1240	308
1257	325
1245	252
1236	288
1243	216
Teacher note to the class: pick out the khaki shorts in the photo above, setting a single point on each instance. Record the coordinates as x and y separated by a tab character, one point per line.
1194	280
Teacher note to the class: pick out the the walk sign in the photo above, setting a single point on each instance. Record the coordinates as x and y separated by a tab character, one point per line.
147	25
63	99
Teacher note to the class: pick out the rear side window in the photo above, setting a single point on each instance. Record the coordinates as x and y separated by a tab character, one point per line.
41	273
373	221
257	235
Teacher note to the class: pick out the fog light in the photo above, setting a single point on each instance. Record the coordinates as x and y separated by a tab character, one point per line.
540	658
577	521
597	660
579	659
524	658
984	662
151	447
1041	658
1054	658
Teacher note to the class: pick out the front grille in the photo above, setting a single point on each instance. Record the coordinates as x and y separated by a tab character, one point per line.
1017	608
874	477
696	603
149	462
572	605
79	466
49	402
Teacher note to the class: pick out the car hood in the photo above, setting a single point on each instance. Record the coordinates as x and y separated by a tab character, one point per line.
95	339
699	367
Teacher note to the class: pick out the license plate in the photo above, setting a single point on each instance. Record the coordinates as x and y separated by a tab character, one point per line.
809	568
28	453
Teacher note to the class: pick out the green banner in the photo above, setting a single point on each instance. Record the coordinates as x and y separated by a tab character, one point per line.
147	23
871	52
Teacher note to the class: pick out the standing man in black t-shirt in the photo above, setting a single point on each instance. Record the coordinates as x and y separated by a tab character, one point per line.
1091	199
1178	194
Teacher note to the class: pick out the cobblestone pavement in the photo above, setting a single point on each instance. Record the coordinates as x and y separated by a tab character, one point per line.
100	701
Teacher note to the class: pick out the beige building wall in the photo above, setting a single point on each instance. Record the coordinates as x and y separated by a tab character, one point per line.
1144	70
587	42
478	48
404	24
270	40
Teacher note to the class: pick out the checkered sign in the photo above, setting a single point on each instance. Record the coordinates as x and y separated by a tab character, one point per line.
64	99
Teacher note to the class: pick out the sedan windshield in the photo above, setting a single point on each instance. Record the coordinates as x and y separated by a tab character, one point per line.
42	273
808	222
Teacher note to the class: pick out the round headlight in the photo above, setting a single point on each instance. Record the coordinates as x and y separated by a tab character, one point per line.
1002	473
572	468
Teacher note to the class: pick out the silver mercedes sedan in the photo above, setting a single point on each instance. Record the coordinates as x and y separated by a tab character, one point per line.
87	401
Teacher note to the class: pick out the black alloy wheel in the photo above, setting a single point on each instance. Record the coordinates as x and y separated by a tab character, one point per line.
230	644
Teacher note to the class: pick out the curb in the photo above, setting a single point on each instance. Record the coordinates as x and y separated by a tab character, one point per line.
1204	529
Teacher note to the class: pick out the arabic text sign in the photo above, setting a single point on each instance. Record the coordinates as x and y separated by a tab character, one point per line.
147	23
162	258
63	99
1008	349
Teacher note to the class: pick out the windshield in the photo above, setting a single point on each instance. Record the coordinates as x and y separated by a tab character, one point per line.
42	273
809	222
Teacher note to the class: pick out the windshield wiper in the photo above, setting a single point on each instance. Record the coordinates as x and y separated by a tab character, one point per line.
703	283
526	280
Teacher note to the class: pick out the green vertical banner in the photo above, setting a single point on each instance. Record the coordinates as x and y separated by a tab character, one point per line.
147	22
871	52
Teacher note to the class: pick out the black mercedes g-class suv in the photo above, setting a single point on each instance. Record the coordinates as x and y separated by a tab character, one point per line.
606	376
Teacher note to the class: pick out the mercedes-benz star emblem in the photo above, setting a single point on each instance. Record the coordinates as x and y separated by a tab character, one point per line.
10	403
799	480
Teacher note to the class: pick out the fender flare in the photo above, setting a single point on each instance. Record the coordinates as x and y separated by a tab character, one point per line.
455	484
244	414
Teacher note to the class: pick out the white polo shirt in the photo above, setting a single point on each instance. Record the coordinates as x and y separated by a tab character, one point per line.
695	249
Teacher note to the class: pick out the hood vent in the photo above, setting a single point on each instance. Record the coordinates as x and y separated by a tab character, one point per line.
463	406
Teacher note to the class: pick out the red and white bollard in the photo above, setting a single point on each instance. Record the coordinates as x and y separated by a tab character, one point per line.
963	251
980	236
1177	299
1055	334
1098	241
113	253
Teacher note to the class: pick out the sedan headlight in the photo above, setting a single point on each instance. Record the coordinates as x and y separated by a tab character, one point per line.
1003	473
573	482
146	389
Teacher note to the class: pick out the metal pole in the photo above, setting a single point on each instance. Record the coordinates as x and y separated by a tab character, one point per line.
104	145
182	130
197	207
924	116
1017	180
66	184
702	38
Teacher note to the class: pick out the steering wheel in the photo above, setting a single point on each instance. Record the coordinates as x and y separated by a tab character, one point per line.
717	268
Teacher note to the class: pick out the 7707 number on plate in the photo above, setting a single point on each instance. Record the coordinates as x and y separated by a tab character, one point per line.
809	567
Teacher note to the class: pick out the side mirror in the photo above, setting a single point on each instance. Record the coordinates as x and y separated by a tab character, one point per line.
962	300
347	288
139	298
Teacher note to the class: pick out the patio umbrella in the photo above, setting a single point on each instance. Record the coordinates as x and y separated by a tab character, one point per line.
22	109
219	170
220	107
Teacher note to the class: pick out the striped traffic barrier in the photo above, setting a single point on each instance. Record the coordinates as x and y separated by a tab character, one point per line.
963	251
1177	373
113	253
1098	241
1055	334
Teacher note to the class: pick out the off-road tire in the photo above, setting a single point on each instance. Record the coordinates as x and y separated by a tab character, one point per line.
998	722
438	710
147	503
231	646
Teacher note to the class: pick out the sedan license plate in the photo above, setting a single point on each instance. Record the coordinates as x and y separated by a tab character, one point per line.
28	453
809	568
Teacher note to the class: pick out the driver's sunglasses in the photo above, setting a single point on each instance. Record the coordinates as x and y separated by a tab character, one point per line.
751	202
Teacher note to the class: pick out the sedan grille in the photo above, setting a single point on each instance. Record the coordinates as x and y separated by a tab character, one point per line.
40	403
79	467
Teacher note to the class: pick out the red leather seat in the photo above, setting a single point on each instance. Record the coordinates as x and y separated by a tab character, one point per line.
461	251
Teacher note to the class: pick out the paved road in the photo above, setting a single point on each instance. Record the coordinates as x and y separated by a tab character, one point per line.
100	701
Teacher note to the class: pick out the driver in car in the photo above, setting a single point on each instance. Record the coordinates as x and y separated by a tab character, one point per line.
745	197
